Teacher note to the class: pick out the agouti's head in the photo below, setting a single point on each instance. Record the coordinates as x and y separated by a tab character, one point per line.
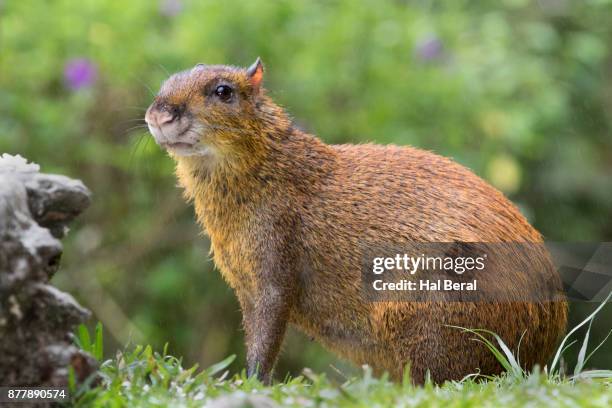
209	109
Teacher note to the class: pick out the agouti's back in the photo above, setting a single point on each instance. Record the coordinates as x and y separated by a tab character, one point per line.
380	195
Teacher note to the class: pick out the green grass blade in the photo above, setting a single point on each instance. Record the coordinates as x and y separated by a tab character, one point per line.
585	321
598	346
84	339
516	368
98	346
220	366
71	379
503	359
518	348
567	346
498	355
595	374
582	353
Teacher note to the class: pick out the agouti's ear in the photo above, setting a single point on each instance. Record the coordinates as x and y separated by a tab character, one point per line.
255	73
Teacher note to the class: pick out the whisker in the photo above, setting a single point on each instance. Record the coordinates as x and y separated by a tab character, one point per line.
141	126
144	84
131	120
163	68
134	150
148	87
140	108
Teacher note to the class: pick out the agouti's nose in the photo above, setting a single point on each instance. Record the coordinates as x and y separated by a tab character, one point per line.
158	118
160	114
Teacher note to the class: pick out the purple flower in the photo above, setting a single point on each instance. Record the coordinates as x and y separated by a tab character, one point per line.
429	48
170	8
80	73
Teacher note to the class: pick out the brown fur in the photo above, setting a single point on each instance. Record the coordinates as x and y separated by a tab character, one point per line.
287	216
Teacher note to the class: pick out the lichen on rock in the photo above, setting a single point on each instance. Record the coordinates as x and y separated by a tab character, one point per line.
36	319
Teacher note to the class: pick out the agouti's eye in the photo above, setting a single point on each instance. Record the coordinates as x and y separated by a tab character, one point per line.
224	93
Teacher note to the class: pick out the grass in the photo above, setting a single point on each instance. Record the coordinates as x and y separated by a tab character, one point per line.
144	378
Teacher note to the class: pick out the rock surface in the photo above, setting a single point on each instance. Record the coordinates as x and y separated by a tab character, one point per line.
36	319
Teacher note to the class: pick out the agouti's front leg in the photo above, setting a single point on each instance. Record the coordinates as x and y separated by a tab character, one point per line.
265	323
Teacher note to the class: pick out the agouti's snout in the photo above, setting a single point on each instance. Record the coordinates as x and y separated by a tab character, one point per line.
170	127
159	118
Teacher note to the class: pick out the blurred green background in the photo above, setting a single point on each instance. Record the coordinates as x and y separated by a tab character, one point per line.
519	91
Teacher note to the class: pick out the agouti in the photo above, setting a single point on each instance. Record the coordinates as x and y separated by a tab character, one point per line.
287	215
